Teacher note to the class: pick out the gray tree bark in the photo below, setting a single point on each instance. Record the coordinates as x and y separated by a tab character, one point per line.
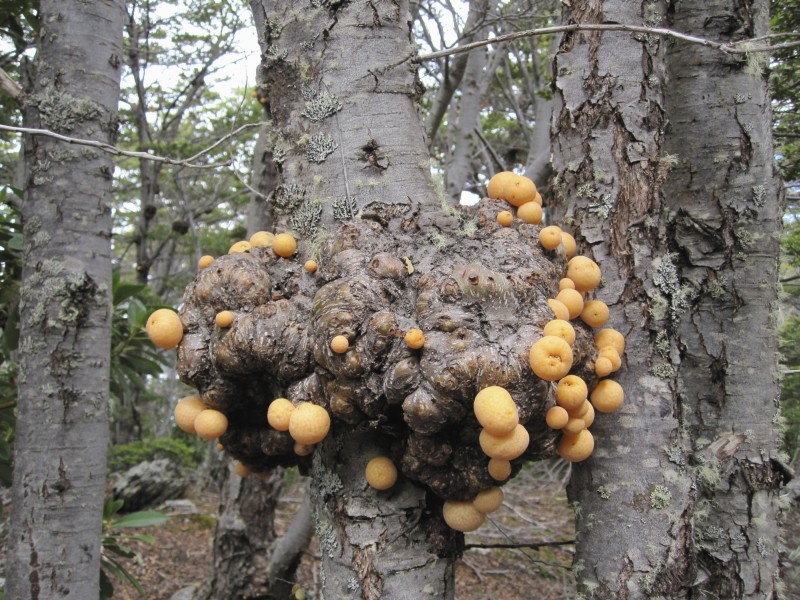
663	164
62	423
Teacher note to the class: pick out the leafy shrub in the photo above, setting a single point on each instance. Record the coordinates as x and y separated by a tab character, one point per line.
124	456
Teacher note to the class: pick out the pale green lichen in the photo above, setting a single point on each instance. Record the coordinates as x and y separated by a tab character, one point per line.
344	208
710	473
660	497
469	228
662	343
717	288
61	112
663	370
319	147
439	240
305	219
604	492
759	195
321	107
675	455
585	190
288	197
604	207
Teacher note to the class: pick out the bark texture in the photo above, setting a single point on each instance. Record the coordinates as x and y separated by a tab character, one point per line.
62	423
663	162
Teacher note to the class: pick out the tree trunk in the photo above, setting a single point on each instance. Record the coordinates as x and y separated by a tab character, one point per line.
62	424
663	162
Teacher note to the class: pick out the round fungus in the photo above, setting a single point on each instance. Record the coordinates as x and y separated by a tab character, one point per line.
550	237
551	358
556	417
607	396
610	337
488	500
497	184
505	447
284	245
414	338
205	261
560	311
505	218
224	318
381	473
570	247
571	392
186	411
573	300
209	424
499	469
278	414
164	328
261	239
575	448
584	272
340	344
595	313
311	266
530	212
462	515
560	328
495	410
309	423
241	246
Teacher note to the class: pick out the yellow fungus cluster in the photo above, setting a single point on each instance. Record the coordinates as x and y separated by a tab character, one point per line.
551	356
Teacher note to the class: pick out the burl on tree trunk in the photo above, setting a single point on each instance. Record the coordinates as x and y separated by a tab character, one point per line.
482	304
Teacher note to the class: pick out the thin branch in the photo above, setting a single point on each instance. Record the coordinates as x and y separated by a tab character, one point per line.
9	86
743	47
522	545
183	162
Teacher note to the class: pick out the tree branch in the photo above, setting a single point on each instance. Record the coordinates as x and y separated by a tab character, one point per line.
743	47
9	86
183	162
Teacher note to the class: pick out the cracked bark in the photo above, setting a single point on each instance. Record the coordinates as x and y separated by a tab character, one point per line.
663	160
62	422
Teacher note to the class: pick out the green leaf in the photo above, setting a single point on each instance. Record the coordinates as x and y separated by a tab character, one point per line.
111	507
121	573
117	549
139	364
137	313
143	518
123	291
106	587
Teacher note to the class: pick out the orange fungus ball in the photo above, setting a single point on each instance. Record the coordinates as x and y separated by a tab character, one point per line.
205	261
309	423
497	184
569	244
560	328
499	469
488	500
381	473
530	212
261	239
186	412
571	392
164	328
278	414
506	447
462	515
210	424
340	344
224	318
495	410
505	218
284	245
575	448
556	417
573	300
310	266
519	190
551	358
607	396
559	309
610	337
550	237
595	313
584	272
414	338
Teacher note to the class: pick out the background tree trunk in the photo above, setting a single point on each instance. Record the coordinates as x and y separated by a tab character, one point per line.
62	424
663	163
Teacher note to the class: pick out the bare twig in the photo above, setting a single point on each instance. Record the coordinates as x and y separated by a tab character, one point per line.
522	545
743	47
9	86
183	162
